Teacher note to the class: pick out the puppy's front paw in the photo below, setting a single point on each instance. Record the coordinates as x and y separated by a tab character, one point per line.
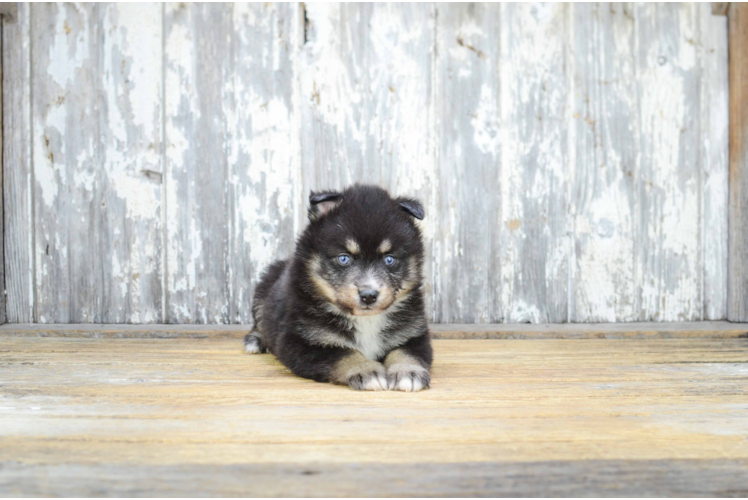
253	344
369	381
407	377
360	373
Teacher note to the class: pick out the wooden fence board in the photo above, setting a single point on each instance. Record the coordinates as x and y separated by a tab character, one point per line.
669	249
130	128
737	308
714	158
2	215
197	83
466	276
97	162
17	170
67	174
603	195
263	141
534	182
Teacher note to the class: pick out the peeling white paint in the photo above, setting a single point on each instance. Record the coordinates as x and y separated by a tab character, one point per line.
567	168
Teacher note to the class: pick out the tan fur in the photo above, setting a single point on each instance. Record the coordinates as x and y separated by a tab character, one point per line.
348	299
373	373
321	284
405	373
407	285
399	357
352	246
385	246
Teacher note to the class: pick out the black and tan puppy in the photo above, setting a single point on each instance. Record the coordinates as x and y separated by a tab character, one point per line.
348	308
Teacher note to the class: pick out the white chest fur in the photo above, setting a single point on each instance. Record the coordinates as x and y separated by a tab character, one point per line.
369	341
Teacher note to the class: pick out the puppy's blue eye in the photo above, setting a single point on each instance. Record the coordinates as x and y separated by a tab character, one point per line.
389	260
344	260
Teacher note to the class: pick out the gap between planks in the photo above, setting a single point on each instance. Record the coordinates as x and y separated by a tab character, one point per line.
679	330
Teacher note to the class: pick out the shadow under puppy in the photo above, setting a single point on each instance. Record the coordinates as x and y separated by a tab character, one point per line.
348	308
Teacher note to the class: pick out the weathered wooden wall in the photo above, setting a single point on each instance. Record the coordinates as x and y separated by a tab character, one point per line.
572	159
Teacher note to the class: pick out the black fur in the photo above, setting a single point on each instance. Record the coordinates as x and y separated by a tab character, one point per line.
305	308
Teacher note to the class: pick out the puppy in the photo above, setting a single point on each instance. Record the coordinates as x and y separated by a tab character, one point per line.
348	308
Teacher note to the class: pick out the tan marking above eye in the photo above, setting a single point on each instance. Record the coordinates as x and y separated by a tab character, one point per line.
352	246
385	246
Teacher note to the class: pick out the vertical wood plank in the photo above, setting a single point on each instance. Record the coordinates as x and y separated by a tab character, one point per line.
263	138
67	188
2	214
366	100
669	240
466	244
714	140
17	169
97	141
130	160
737	308
534	158
197	83
335	95
602	202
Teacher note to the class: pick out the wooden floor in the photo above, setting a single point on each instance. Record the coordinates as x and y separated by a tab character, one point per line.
194	417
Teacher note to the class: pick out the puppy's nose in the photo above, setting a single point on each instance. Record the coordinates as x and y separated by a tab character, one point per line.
368	296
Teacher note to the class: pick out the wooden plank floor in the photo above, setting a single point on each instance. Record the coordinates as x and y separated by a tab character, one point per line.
192	417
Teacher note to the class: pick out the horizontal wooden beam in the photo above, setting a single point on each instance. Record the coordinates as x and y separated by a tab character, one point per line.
701	329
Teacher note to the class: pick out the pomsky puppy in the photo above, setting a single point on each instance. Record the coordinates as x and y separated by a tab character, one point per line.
348	308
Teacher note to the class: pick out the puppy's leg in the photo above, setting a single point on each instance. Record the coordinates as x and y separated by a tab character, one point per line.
253	344
359	373
408	366
332	364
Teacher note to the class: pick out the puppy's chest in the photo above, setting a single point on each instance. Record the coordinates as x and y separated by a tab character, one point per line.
368	338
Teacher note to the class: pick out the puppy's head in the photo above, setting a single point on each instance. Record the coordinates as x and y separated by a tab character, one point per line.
362	249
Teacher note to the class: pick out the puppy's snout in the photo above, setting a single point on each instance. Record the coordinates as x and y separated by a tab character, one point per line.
368	296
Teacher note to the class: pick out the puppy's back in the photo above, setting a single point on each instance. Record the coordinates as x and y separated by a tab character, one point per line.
269	278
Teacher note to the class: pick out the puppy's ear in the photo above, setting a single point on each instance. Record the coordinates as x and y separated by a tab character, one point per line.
413	207
321	203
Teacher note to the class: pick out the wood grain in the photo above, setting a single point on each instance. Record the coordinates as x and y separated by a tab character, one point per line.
720	8
669	259
660	330
534	158
572	159
17	169
466	277
2	215
130	126
96	78
67	194
714	159
264	149
197	82
119	412
603	200
737	308
572	478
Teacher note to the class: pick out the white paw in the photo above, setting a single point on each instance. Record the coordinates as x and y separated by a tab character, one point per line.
253	344
252	349
408	378
371	381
